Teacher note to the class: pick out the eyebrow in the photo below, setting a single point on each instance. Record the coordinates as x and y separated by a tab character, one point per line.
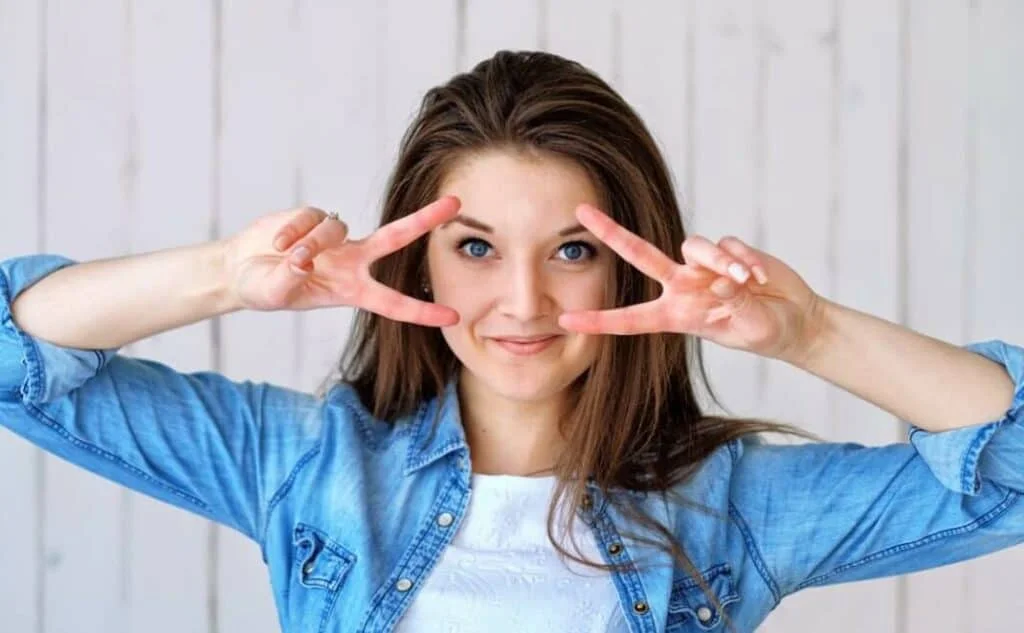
477	224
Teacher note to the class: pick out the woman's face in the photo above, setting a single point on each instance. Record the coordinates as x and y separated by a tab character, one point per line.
510	263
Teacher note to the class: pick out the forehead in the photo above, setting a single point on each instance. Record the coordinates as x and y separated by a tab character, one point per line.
505	188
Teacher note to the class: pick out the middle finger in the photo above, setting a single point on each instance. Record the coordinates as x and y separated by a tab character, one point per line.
402	232
388	302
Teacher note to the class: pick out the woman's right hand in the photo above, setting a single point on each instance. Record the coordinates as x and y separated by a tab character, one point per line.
267	270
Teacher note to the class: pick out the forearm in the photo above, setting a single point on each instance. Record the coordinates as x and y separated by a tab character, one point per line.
924	381
110	303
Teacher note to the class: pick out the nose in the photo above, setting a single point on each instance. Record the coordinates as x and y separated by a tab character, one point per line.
524	294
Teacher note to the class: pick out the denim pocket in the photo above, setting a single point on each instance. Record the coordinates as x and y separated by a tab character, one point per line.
690	609
321	563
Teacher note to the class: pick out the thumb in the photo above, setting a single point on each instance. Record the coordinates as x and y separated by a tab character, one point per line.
732	296
284	279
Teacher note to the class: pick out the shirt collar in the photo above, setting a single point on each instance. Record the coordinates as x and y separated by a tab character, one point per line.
449	436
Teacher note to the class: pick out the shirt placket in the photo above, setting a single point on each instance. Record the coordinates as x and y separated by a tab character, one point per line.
396	594
632	597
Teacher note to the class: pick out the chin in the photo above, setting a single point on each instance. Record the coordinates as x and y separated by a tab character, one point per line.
524	388
525	382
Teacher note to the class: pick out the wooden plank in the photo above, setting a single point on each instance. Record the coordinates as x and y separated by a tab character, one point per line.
429	27
493	26
996	229
88	180
654	58
794	185
171	143
21	38
865	245
584	31
721	192
340	159
937	103
258	174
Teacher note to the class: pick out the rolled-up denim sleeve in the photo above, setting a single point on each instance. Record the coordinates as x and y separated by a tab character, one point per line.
216	447
963	459
30	367
823	513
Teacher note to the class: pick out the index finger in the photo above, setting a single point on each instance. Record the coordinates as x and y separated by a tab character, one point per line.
404	231
641	318
388	302
631	247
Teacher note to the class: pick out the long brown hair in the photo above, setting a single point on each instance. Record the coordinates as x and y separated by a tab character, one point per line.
540	102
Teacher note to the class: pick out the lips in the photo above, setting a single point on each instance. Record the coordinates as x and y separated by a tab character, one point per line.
525	346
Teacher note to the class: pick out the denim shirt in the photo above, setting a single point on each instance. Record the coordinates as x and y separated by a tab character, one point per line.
351	513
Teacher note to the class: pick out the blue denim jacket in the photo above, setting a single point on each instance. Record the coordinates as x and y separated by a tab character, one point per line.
352	513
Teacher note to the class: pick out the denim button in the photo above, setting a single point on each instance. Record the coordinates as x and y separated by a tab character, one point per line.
704	614
404	584
640	606
445	519
614	549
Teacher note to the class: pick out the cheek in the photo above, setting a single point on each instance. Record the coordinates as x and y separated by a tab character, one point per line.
590	291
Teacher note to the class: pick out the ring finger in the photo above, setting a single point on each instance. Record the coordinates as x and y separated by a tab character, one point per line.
330	232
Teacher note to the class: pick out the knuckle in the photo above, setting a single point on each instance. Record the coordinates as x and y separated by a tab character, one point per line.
313	210
733	244
311	243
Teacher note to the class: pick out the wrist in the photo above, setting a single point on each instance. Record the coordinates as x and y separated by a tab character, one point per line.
218	258
817	330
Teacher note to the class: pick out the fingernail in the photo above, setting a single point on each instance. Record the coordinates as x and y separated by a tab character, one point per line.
760	275
300	254
739	273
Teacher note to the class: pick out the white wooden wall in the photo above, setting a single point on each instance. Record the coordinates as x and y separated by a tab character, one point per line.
876	145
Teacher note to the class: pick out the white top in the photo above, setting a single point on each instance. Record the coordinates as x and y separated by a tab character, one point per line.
501	573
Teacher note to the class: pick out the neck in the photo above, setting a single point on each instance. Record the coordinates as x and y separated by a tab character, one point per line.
506	436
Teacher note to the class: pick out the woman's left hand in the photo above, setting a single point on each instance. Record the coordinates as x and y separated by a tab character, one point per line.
730	293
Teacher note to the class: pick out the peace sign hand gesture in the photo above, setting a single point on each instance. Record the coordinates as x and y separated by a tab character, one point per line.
710	296
323	268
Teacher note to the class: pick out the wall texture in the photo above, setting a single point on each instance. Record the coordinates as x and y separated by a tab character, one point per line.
875	145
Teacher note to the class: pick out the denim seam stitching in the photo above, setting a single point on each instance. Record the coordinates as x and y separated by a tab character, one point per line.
755	554
972	454
981	521
361	421
80	443
280	493
34	373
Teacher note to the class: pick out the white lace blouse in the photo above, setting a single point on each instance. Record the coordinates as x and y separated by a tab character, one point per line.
501	573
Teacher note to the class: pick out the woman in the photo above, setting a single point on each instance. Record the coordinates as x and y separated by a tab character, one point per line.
515	441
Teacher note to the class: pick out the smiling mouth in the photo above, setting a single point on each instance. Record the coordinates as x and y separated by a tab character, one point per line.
526	346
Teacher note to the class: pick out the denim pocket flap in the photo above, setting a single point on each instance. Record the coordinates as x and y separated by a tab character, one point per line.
688	604
321	562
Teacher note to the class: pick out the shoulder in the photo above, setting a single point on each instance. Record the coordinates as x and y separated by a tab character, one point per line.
345	415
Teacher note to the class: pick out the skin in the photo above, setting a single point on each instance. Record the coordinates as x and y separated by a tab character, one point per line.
727	292
516	280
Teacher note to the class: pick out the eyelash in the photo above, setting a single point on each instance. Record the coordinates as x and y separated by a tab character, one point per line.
591	250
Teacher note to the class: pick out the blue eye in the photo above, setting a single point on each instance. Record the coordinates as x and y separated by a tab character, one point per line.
575	251
478	248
